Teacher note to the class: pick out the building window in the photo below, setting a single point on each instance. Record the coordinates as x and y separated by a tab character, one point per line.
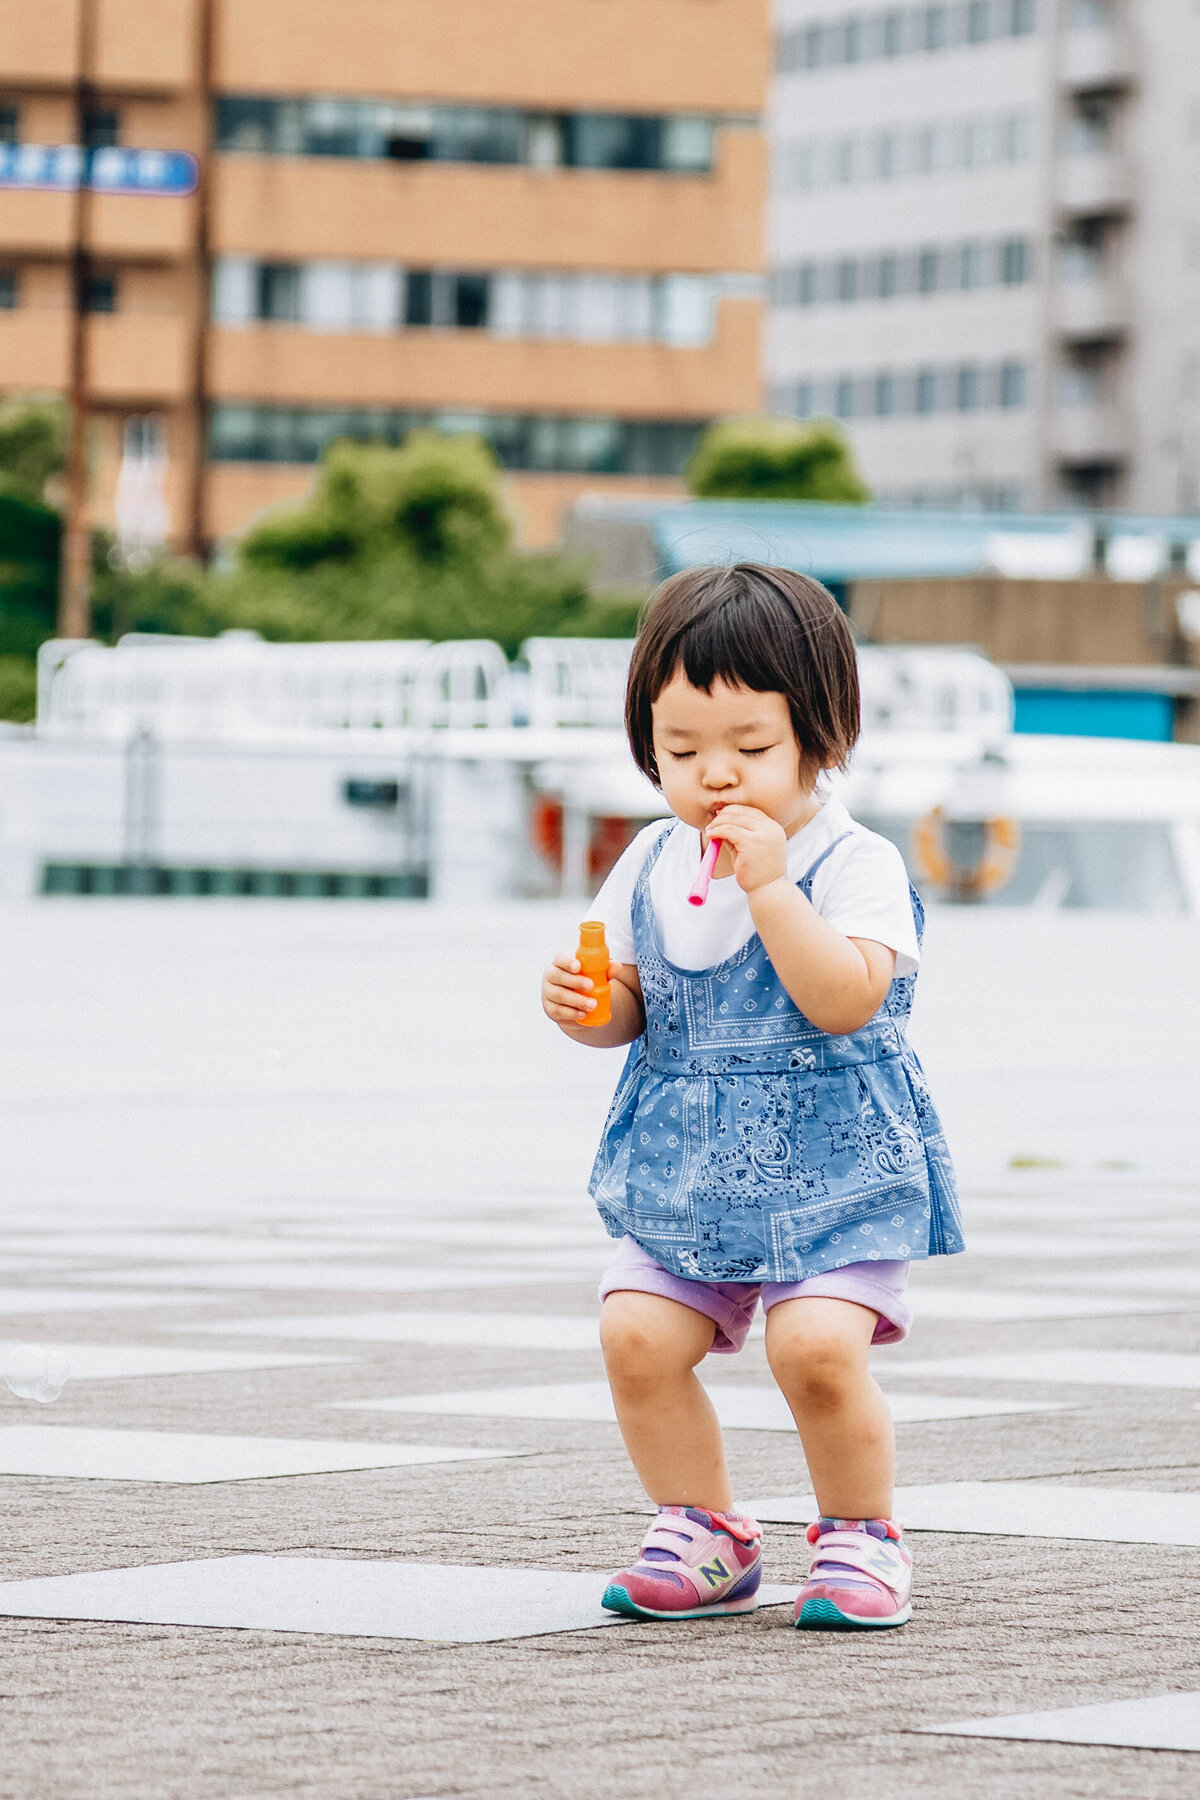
843	398
99	294
279	292
967	392
521	441
382	129
101	128
679	310
897	31
927	271
885	396
10	124
977	142
1012	384
9	290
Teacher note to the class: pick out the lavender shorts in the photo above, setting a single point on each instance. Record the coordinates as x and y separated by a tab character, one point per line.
731	1305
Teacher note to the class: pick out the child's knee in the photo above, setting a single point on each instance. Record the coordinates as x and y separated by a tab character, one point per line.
643	1340
816	1365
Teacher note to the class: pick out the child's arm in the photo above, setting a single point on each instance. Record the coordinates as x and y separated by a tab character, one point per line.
837	982
565	999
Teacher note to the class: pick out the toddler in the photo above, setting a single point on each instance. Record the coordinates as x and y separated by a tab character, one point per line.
772	1137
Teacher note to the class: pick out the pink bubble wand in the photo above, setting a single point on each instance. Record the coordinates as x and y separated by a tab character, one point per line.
698	892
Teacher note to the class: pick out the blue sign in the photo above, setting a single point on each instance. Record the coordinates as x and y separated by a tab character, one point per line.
59	168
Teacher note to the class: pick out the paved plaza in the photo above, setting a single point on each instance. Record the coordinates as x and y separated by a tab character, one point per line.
309	1478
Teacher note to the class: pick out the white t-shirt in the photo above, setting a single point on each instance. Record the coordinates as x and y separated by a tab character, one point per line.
861	889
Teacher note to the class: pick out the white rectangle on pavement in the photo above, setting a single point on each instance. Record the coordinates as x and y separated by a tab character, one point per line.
997	1304
116	1362
1022	1509
19	1301
168	1246
1179	1277
446	1603
486	1331
1067	1247
1162	1722
340	1278
1091	1368
92	1454
589	1402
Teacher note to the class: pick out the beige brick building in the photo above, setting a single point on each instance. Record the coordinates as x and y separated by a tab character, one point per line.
541	219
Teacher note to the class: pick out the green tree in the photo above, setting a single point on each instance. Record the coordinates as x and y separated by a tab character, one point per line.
408	542
775	459
33	441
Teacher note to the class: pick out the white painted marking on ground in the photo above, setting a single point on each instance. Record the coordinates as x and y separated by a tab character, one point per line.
1162	1722
1091	1368
488	1331
51	1300
348	1278
170	1246
116	1362
1022	1509
86	1453
1178	1278
1073	1247
444	1603
738	1408
991	1304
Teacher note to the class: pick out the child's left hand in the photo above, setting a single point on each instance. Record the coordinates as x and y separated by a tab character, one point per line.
758	843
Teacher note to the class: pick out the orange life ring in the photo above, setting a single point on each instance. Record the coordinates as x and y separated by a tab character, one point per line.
1002	841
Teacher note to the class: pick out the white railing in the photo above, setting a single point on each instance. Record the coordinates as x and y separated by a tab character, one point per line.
238	687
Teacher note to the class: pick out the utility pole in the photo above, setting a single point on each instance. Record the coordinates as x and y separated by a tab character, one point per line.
197	533
74	601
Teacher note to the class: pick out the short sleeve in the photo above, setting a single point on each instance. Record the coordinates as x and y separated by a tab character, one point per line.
862	891
614	903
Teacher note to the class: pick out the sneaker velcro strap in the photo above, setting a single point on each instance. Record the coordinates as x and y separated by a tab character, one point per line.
853	1549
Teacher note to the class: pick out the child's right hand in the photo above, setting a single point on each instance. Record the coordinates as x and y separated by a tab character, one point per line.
566	994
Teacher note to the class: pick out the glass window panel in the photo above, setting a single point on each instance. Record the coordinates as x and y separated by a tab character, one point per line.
418	297
687	144
508	303
613	141
477	134
973	265
326	300
235	290
936	27
843	397
928	269
1015	261
279	292
687	306
967	393
9	292
470	302
847	280
10	124
1024	17
1012	384
244	123
926	396
544	142
636	300
852	40
378	296
893	33
889	276
804	399
885	395
978	21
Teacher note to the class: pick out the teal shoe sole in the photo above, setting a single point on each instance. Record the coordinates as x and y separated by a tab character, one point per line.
617	1599
823	1615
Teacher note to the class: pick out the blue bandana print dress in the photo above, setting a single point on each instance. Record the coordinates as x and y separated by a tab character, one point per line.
745	1144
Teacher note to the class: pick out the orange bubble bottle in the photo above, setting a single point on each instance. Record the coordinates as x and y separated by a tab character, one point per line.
593	959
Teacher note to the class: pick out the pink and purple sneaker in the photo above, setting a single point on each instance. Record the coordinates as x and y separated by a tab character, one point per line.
693	1565
860	1578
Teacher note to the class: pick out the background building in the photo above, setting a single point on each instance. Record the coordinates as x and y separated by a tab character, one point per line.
986	245
539	219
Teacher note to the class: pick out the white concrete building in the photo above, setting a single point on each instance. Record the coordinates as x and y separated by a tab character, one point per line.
986	245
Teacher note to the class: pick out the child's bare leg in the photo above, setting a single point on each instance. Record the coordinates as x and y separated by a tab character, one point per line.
818	1352
651	1348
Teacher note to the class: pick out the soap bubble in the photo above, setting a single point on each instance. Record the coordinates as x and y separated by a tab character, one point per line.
35	1372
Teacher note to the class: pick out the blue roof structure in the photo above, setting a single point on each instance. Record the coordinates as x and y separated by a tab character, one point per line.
839	544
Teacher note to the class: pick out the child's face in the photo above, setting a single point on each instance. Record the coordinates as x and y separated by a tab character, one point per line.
731	745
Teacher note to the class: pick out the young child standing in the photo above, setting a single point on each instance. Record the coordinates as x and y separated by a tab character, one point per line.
771	1136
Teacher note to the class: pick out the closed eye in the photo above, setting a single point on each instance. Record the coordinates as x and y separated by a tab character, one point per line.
760	751
680	755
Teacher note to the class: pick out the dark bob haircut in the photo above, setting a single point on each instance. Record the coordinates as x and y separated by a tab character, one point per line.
752	626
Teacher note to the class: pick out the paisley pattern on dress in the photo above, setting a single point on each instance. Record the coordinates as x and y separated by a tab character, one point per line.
745	1144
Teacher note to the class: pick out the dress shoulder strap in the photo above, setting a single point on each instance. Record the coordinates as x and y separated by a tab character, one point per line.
805	880
655	851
